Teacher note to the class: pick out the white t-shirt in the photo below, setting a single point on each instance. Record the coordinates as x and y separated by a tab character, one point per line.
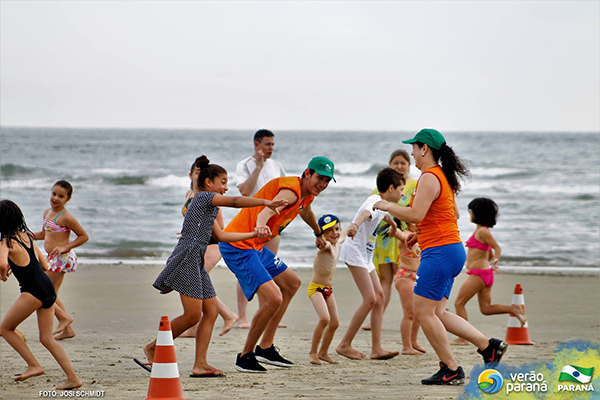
271	169
358	251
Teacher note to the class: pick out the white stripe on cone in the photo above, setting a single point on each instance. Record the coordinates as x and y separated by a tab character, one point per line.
513	322
164	338
518	299
165	370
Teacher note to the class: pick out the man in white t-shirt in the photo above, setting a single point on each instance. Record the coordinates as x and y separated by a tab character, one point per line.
252	173
258	169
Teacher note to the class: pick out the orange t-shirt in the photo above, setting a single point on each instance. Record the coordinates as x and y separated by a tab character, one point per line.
245	220
439	227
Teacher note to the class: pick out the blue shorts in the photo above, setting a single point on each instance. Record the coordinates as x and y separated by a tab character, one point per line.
437	270
251	267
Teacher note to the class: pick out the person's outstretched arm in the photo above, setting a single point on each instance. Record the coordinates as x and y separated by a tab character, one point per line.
308	216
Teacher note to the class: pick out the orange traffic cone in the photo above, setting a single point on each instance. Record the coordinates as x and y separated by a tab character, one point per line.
164	380
515	333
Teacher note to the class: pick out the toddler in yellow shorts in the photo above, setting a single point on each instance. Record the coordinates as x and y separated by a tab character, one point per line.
320	291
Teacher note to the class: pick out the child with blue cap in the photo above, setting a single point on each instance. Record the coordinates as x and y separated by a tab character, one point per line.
320	291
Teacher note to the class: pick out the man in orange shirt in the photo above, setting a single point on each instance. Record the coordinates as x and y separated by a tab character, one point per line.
261	272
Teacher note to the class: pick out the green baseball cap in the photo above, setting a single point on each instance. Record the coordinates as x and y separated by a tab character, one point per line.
430	137
322	166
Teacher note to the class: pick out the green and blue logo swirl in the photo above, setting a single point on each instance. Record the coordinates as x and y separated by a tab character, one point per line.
490	381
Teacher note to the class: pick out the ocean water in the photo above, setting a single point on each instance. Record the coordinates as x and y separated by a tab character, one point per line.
130	185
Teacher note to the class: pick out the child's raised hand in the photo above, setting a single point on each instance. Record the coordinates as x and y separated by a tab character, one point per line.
352	229
393	230
382	205
275	204
411	240
321	243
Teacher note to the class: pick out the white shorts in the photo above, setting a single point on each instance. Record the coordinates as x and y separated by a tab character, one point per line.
356	256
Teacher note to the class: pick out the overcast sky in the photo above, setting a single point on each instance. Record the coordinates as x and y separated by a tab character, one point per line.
453	65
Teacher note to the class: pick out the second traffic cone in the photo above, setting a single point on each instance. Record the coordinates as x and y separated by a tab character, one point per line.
164	380
515	333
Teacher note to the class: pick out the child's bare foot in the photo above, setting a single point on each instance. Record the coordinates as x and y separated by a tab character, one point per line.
66	333
520	314
31	371
383	355
62	324
327	358
314	359
149	352
460	342
411	351
418	347
366	327
243	323
228	323
349	352
70	384
282	325
190	332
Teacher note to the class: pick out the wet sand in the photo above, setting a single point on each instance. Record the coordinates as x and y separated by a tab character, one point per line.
117	311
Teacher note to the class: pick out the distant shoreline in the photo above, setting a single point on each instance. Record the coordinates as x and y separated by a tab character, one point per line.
516	269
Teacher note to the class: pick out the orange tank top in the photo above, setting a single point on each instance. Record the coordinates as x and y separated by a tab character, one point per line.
245	220
439	227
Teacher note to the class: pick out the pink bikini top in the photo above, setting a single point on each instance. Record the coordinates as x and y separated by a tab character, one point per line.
476	244
52	226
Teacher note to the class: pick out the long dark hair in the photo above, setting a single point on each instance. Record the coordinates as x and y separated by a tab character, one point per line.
454	168
207	170
12	222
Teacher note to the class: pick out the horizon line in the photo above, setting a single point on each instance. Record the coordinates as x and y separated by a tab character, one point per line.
292	129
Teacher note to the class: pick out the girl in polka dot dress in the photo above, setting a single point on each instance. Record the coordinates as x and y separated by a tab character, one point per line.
185	271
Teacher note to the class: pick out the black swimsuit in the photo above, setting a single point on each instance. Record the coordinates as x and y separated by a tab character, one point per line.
33	279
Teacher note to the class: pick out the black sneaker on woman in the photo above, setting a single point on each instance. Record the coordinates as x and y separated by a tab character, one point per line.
494	352
272	356
445	376
248	363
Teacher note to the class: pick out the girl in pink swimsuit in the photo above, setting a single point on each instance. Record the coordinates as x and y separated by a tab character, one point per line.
58	223
481	248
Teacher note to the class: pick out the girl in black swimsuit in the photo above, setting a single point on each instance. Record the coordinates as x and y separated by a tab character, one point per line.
20	255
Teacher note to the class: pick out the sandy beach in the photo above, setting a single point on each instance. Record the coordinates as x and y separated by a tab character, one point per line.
117	311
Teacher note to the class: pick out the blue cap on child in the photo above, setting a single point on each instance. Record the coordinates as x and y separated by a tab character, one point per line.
327	221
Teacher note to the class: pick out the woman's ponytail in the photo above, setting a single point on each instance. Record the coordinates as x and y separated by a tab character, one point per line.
454	168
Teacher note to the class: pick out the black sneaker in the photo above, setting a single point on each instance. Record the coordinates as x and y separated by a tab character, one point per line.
493	353
248	363
271	356
445	376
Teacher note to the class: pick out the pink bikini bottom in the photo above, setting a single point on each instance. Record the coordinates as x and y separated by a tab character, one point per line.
486	275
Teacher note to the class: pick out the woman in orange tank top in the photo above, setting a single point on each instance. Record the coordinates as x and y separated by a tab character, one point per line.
433	209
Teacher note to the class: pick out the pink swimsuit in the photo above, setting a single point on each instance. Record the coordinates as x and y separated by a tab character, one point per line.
52	226
486	275
476	244
65	262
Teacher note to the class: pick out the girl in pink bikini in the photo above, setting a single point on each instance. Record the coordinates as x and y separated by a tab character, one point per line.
56	232
481	248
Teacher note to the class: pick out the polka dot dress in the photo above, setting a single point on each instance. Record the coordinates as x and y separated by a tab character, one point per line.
185	271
